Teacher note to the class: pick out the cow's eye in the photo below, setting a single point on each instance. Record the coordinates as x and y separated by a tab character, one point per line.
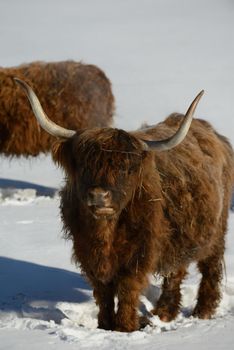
132	169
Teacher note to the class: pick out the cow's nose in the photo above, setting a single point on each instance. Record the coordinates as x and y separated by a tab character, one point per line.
99	197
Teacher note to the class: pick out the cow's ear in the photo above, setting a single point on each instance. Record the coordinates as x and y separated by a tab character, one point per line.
62	155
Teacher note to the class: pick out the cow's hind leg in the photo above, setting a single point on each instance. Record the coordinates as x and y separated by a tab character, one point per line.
211	268
168	304
209	293
104	296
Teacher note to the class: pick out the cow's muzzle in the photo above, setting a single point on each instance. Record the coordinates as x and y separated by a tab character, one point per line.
100	202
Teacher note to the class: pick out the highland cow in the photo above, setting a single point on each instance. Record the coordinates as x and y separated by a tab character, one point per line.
76	95
149	201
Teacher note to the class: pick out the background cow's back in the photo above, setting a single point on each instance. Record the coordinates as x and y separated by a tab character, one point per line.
74	94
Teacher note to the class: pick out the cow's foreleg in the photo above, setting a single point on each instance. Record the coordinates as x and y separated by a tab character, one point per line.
104	296
128	289
168	304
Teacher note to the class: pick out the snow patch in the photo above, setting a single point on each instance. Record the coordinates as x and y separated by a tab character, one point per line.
20	197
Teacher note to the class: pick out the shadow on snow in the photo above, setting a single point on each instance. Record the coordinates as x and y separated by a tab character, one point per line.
32	290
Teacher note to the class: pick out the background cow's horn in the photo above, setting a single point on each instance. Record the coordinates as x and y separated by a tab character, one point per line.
47	124
174	140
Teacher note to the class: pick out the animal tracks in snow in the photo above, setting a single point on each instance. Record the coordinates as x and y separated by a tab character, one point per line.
77	321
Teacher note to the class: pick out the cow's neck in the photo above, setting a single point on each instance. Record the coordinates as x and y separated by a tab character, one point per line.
101	235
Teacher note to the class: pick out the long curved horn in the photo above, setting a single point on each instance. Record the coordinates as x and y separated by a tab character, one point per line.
174	140
47	124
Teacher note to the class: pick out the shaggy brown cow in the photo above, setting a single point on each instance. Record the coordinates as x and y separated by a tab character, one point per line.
76	95
134	206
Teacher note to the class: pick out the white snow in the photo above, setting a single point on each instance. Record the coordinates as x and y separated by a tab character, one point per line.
158	54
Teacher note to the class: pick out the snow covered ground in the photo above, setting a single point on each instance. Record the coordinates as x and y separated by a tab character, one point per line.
46	303
158	54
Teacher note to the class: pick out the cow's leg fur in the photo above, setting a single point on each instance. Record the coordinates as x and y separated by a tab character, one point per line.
104	296
129	289
168	304
209	293
211	268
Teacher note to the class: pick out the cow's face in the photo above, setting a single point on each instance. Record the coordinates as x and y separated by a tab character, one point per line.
105	167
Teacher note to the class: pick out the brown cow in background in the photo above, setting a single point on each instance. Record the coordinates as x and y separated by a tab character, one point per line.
134	206
76	95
